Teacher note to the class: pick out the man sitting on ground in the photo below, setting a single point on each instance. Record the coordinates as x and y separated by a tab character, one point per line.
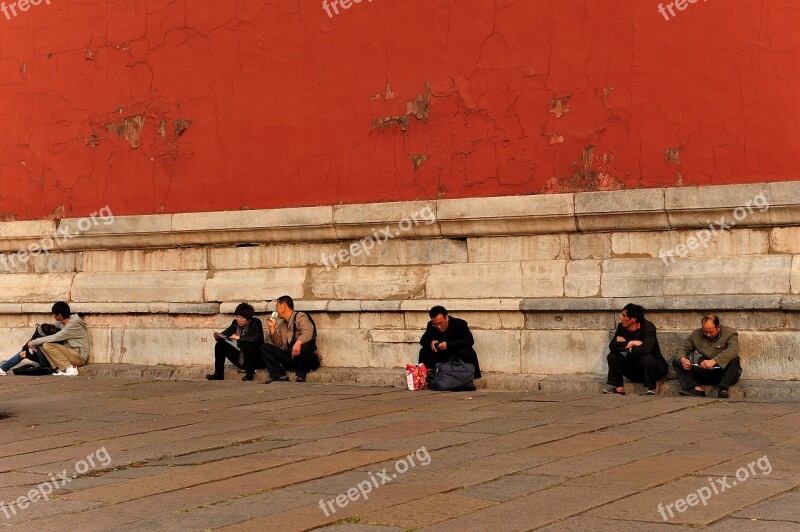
447	337
67	349
635	352
716	361
294	343
248	333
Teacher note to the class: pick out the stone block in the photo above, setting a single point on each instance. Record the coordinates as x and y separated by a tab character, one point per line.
629	210
796	274
784	240
418	321
543	278
16	236
476	281
182	347
770	355
583	278
394	355
15	263
498	350
565	352
703	303
143	287
691	244
590	246
344	305
383	336
261	307
344	348
114	308
582	304
518	248
369	282
507	215
13	321
100	346
35	288
58	262
568	320
141	260
388	320
491	320
270	256
303	224
463	305
115	232
336	320
408	252
380	306
404	219
734	275
246	285
12	339
193	308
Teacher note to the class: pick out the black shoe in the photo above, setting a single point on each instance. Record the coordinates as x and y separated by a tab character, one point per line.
723	393
271	379
215	377
247	377
300	378
692	393
614	391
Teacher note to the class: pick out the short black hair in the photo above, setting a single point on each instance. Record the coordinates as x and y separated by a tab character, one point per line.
286	300
435	311
61	308
710	317
634	311
245	310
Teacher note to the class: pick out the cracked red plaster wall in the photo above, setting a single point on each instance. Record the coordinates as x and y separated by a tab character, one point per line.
177	105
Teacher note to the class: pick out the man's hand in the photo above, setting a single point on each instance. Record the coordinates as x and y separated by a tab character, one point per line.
619	339
433	346
296	348
217	336
23	354
235	337
271	325
708	364
634	343
442	346
30	344
686	364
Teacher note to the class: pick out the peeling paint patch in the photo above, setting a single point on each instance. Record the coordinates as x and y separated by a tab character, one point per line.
388	96
89	54
673	155
608	90
181	125
130	130
555	139
417	161
162	128
559	107
419	108
593	175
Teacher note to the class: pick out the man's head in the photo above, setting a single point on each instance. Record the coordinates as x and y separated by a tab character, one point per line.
439	317
631	315
61	311
244	313
285	307
710	326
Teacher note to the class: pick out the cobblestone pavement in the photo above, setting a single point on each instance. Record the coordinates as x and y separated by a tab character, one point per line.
88	453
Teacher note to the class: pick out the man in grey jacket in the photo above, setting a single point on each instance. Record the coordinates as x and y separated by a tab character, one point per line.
716	362
68	348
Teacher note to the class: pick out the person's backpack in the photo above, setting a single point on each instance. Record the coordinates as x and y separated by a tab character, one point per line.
312	342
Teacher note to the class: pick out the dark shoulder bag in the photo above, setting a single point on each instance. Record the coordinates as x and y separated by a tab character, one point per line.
454	376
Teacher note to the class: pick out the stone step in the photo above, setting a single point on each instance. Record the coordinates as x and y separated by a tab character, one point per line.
755	389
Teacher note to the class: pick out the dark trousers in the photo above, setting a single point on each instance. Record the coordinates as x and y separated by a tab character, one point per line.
696	376
278	361
252	357
642	368
430	359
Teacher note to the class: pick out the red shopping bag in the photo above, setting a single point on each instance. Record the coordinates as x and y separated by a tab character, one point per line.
416	376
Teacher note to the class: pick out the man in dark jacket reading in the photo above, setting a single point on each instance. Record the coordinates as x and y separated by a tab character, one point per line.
447	337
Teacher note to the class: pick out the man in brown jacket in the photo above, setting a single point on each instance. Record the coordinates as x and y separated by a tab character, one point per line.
716	360
294	343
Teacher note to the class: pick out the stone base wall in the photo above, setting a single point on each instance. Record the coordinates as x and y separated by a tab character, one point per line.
539	278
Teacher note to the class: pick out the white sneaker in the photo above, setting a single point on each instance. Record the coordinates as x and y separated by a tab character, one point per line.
58	373
71	371
2	372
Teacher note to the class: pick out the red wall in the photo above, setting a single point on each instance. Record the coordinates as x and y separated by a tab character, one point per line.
289	107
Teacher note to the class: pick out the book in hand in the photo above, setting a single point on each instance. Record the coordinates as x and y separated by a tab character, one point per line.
227	339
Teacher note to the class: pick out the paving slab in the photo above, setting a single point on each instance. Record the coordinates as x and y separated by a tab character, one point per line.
233	455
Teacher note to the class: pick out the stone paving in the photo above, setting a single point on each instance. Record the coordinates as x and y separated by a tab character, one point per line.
99	453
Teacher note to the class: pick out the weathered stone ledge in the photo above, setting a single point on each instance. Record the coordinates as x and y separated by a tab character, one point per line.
628	210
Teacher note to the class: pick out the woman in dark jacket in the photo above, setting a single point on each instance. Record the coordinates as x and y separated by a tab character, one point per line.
240	343
635	353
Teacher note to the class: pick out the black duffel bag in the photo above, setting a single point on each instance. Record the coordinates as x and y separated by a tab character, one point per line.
453	376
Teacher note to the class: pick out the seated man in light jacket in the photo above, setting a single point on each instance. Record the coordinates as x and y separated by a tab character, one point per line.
717	363
68	348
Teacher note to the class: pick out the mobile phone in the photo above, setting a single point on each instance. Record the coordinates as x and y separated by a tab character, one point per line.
274	315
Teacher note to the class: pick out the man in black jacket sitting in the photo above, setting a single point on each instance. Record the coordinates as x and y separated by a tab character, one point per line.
444	338
240	343
635	352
